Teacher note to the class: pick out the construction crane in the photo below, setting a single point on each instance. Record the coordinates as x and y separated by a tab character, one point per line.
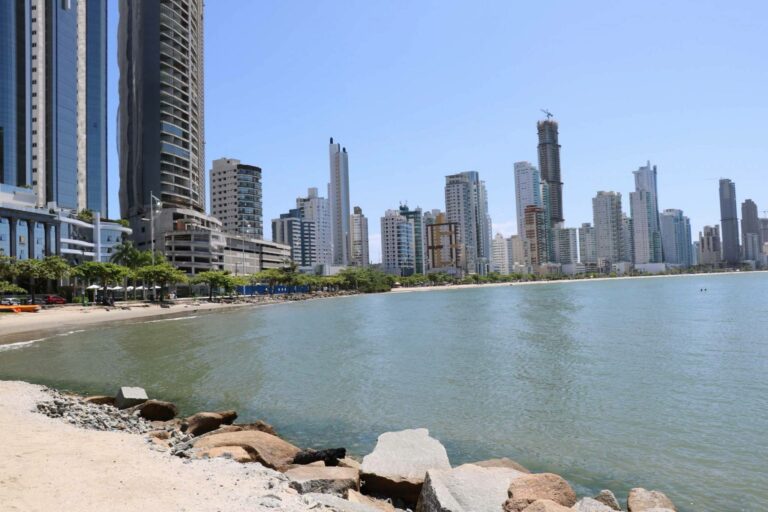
547	113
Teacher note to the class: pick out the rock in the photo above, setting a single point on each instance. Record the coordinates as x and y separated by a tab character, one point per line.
339	504
333	480
129	396
466	488
156	410
398	465
527	489
607	497
235	453
269	450
347	462
382	505
329	457
641	500
546	506
160	434
591	505
204	422
100	400
503	462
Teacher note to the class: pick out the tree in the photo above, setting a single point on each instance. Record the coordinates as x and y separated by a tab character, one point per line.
125	254
6	287
55	269
162	273
215	279
32	270
105	273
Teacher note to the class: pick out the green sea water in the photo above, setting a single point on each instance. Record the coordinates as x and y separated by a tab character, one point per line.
612	384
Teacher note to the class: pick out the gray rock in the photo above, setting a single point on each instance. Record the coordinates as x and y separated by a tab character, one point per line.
607	497
321	479
502	462
129	396
591	505
338	504
467	488
642	500
398	465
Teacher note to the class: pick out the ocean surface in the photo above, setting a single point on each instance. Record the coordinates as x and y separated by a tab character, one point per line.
612	384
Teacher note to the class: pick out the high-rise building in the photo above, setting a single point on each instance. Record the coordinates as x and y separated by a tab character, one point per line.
549	165
359	233
339	197
750	225
710	251
516	251
397	244
527	191
161	115
417	217
644	208
500	255
565	245
729	222
763	224
444	250
466	203
587	244
317	239
676	238
53	101
287	230
627	239
536	228
695	253
236	197
607	217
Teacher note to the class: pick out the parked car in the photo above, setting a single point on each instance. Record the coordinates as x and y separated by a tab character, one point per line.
10	301
54	299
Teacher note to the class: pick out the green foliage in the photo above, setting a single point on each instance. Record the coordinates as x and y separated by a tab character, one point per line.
6	287
162	273
105	273
365	280
85	216
217	279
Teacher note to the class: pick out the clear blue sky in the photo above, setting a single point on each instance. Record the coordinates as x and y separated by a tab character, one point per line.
418	90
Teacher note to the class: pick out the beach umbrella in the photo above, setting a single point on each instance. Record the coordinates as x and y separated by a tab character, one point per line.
139	288
93	287
116	288
129	289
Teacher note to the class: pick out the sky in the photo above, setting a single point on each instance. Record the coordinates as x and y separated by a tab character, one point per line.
419	90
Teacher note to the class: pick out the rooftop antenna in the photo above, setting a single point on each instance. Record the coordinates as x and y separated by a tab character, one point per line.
547	113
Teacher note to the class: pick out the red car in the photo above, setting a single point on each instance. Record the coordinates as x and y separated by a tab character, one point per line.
54	299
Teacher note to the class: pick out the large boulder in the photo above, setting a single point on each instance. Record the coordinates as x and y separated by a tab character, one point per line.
156	410
339	504
326	480
502	462
591	505
527	489
129	396
641	500
467	488
204	422
607	497
399	463
235	453
546	506
269	450
239	427
382	505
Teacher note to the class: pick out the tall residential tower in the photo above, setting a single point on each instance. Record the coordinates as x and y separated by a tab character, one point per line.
339	196
729	222
549	166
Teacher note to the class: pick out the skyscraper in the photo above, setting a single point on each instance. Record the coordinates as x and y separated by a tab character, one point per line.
339	196
500	255
587	244
607	216
709	246
527	191
536	228
397	244
316	239
466	203
162	136
549	166
516	251
644	208
627	239
359	234
729	222
418	234
443	246
236	197
53	114
676	238
565	246
750	225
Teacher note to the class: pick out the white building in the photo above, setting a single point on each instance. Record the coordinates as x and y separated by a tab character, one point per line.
676	238
236	197
359	234
466	203
606	212
398	255
319	240
565	245
527	191
517	257
500	255
338	191
587	244
646	232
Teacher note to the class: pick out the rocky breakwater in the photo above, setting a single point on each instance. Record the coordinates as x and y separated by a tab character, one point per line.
408	469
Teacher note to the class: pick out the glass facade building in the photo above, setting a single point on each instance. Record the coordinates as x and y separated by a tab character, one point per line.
13	92
96	106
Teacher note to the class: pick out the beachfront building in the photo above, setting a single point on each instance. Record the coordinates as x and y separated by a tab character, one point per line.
710	250
549	166
417	218
306	229
466	203
644	208
527	191
236	197
729	222
565	244
444	249
339	203
676	238
516	251
500	255
607	217
26	231
587	244
751	237
536	227
398	254
627	238
358	226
